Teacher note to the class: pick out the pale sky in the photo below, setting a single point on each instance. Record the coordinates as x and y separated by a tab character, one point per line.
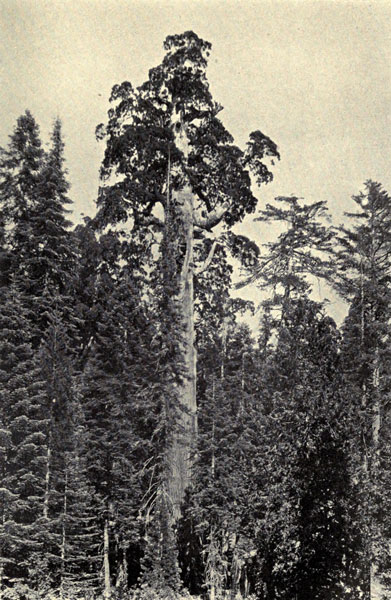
314	76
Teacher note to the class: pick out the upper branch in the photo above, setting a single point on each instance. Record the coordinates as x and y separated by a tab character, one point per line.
208	260
211	219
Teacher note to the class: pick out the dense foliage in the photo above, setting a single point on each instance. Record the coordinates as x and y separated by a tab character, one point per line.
289	494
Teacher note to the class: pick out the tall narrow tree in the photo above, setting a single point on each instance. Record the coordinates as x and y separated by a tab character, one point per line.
364	277
20	176
23	424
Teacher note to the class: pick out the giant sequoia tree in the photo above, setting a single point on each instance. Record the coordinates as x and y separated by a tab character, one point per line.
178	176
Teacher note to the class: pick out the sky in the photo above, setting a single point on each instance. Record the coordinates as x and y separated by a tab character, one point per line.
315	76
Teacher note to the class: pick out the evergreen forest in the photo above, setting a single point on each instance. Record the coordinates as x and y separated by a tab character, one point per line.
153	445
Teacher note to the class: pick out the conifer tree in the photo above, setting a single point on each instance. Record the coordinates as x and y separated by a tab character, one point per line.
79	535
53	260
301	396
23	442
20	173
297	256
38	251
56	356
120	404
33	196
214	544
85	288
303	531
364	280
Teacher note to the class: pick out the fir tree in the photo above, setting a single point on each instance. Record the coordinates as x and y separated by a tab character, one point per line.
79	534
364	279
33	194
297	256
20	176
53	260
23	442
56	356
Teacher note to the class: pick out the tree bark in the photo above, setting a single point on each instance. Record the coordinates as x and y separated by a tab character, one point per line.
122	577
1	574
185	427
374	455
376	404
3	518
224	335
106	564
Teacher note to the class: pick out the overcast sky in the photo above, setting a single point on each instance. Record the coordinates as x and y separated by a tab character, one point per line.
314	76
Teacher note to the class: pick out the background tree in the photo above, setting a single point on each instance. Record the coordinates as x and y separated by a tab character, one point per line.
23	443
302	527
300	254
364	280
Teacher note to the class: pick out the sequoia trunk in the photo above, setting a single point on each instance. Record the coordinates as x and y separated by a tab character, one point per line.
185	419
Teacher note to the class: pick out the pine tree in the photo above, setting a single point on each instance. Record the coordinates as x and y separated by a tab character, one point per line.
23	442
364	280
297	256
302	392
53	260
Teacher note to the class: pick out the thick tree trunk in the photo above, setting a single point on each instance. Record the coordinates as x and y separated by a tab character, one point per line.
212	593
185	427
213	460
224	335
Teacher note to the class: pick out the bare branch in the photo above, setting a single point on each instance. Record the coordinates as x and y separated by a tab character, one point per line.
212	218
208	259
